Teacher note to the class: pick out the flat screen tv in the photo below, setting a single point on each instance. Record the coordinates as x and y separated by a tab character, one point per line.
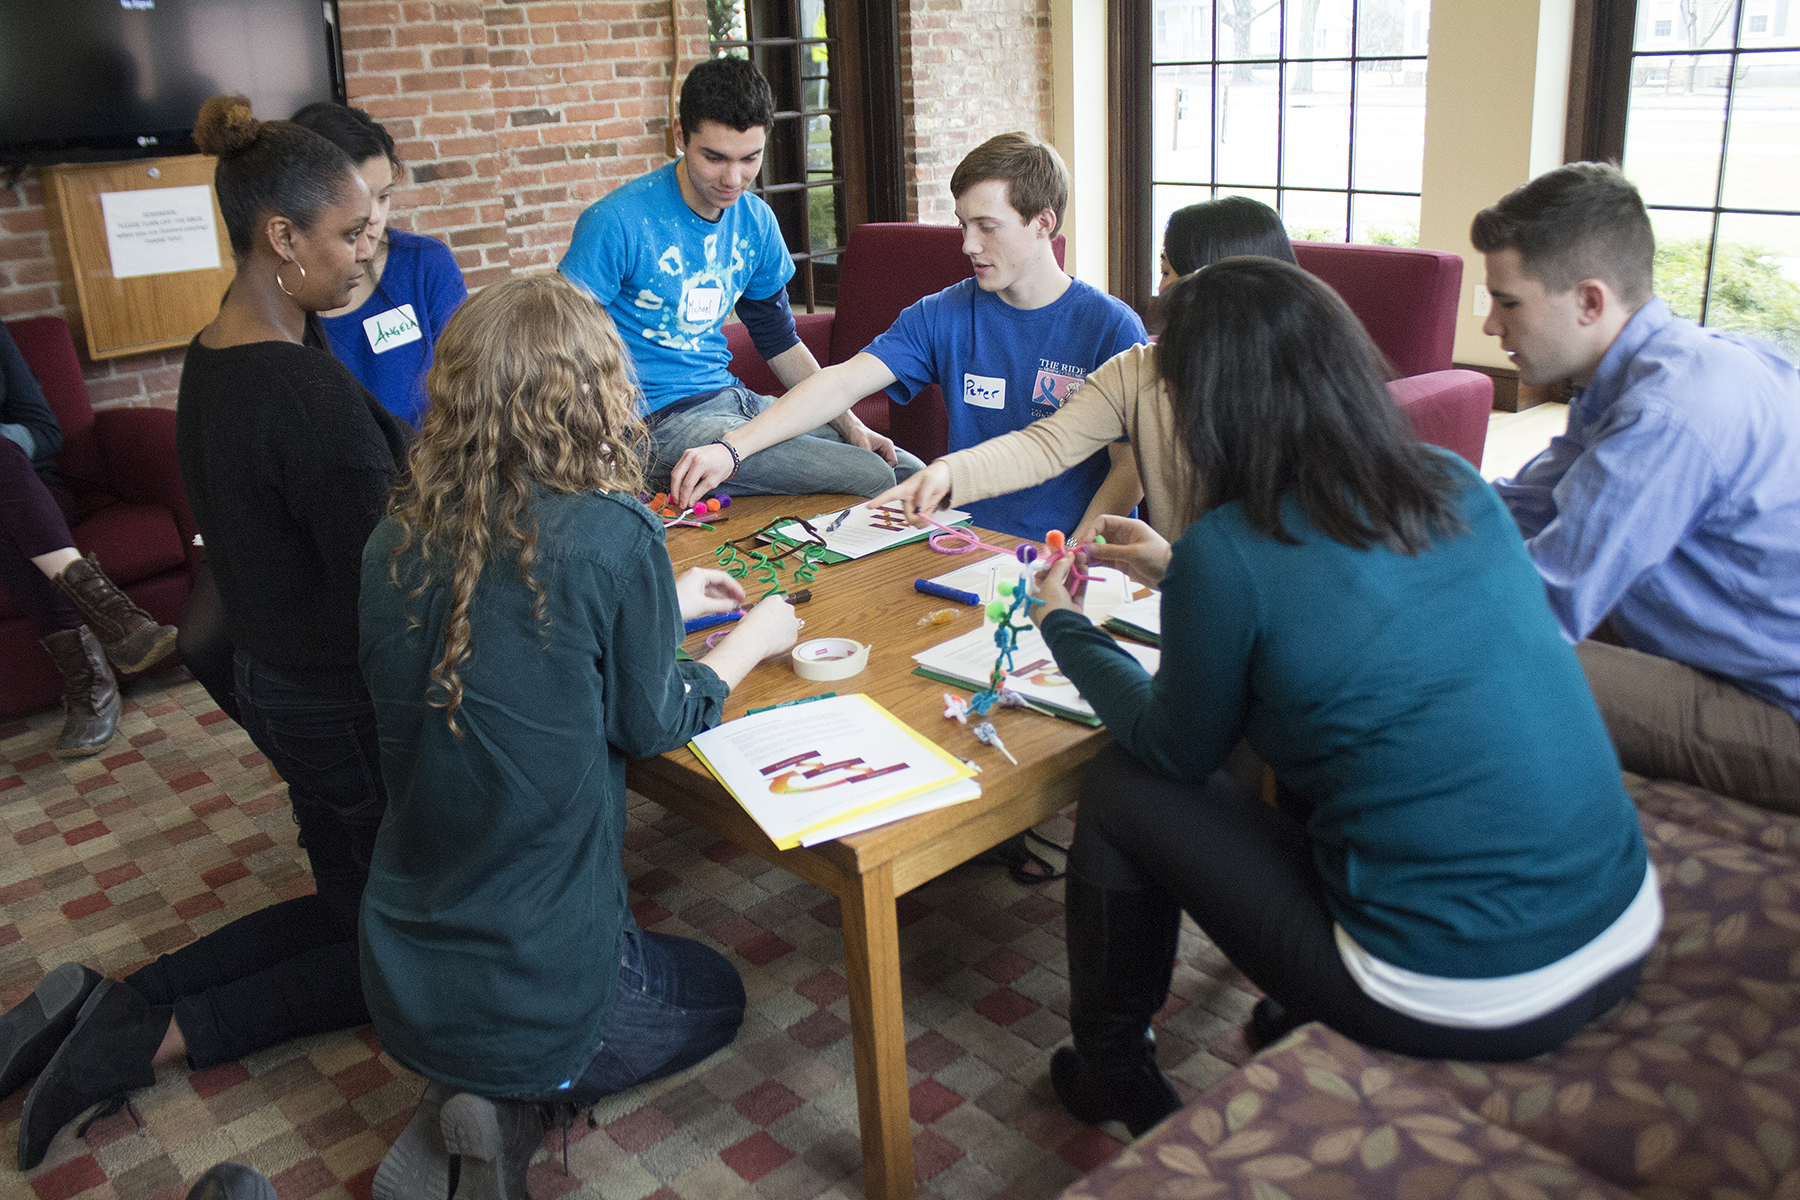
82	80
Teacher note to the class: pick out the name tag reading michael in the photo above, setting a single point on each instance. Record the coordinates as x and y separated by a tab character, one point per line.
395	327
703	305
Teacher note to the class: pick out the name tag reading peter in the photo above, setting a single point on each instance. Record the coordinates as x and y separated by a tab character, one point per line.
395	327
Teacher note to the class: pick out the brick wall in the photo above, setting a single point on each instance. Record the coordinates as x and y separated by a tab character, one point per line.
969	69
513	117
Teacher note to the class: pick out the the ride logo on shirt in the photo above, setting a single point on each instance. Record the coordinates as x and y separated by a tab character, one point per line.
1056	382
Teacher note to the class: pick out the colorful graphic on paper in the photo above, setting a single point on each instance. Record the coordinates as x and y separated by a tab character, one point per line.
1043	672
1056	382
888	516
795	774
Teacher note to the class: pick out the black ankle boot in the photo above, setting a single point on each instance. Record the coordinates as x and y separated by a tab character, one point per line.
110	1052
1269	1023
33	1029
1121	959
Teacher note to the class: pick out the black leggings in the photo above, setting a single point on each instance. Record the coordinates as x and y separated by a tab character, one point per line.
1245	873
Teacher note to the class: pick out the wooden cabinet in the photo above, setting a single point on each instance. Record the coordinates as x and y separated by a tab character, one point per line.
139	313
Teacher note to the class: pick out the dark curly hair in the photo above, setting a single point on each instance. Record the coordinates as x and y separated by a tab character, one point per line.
272	167
728	90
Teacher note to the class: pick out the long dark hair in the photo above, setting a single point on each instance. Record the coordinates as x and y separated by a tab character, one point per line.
1278	391
351	130
1213	229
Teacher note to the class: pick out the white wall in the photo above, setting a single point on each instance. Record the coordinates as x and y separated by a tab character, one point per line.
1078	54
1496	99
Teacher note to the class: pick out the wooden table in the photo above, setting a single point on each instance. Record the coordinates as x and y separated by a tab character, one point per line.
872	600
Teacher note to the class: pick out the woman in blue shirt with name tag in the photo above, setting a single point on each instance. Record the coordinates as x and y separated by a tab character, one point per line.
386	332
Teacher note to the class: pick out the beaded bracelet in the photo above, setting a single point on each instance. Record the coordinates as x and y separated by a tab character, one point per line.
736	460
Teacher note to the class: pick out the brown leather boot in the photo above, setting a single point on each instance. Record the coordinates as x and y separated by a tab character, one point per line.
90	697
132	639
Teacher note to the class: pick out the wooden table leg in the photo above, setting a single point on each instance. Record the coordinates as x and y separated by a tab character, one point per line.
878	1033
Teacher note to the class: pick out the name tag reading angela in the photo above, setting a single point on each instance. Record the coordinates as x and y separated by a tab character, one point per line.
395	327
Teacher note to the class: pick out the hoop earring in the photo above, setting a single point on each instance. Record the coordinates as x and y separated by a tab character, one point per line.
283	286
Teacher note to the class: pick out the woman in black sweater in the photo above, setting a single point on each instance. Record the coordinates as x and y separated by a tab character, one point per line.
288	461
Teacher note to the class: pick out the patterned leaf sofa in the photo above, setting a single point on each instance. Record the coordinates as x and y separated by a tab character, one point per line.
1688	1091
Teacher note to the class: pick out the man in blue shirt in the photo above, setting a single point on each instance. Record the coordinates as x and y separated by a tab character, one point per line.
1007	347
672	253
1670	510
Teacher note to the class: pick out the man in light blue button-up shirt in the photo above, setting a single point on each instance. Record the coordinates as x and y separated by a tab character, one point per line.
1670	510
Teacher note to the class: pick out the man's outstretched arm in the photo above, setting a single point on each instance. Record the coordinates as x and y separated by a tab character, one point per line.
818	399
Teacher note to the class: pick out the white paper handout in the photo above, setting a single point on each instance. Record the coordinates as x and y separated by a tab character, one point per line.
1106	591
158	231
1034	675
865	530
1144	613
816	766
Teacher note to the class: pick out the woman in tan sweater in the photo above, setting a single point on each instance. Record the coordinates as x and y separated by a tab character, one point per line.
1122	398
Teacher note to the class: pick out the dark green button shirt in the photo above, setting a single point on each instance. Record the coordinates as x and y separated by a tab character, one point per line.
492	916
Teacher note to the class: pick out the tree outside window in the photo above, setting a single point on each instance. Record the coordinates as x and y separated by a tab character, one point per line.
1712	139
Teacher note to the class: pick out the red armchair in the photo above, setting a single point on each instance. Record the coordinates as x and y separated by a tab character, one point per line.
1406	298
133	511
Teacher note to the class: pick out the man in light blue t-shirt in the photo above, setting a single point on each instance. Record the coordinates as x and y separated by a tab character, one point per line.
1007	347
672	253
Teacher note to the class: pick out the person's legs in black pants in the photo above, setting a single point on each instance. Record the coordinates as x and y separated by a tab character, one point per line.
290	969
1245	873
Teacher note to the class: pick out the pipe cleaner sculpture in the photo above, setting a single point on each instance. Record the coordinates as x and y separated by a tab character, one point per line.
1011	614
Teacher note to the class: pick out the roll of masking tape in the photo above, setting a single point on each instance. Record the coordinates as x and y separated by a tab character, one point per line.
829	658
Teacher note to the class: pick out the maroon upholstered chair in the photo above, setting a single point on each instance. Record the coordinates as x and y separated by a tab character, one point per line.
1406	298
886	266
134	513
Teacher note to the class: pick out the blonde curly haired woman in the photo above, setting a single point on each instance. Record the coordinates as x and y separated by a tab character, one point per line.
520	621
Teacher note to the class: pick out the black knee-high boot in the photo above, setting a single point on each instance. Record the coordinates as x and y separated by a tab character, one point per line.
1121	960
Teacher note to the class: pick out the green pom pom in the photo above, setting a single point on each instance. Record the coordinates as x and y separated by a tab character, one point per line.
996	610
1098	540
1004	587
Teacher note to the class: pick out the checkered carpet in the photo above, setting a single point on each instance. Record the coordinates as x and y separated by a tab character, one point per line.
178	829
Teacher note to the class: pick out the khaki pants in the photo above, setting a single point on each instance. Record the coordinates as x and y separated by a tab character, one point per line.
1670	721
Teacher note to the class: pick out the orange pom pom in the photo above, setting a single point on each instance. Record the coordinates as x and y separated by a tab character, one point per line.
1053	541
658	500
712	505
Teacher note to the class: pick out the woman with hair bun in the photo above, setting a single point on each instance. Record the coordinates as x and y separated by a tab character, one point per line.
288	462
386	330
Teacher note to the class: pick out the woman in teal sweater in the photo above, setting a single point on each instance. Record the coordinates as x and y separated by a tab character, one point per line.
1455	870
519	624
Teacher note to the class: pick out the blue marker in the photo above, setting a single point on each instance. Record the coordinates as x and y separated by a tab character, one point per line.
947	593
708	622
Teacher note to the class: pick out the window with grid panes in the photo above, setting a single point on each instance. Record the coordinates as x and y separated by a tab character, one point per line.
1712	140
1314	107
806	175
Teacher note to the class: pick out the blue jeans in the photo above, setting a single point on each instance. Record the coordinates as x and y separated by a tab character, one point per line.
675	1003
290	969
819	461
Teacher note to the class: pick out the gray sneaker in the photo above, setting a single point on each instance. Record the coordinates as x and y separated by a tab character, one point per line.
417	1167
491	1143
